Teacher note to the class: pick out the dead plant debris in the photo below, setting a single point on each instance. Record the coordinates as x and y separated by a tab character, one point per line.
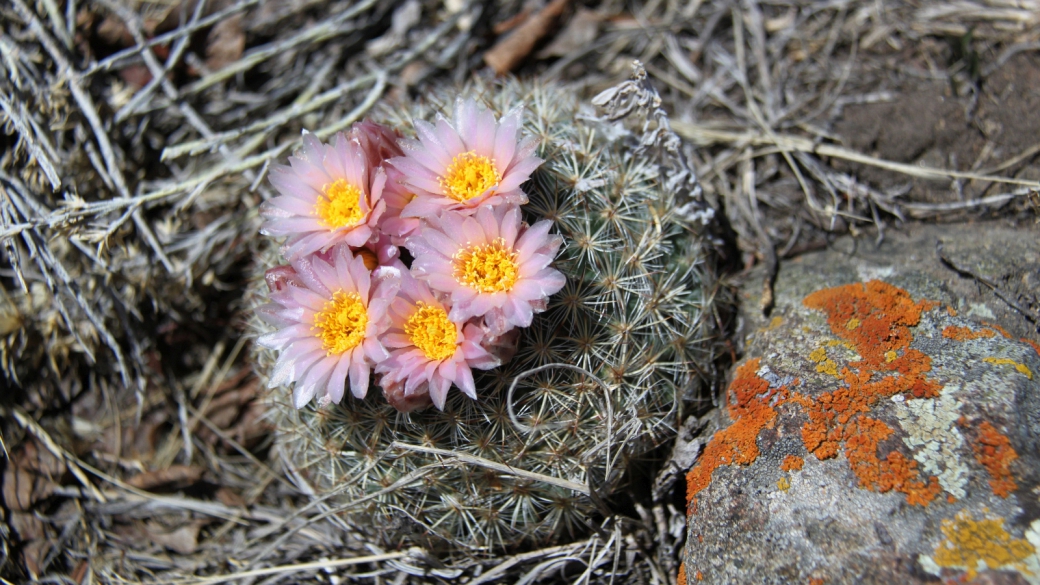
135	147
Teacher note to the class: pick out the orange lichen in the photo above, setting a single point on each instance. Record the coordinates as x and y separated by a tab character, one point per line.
1036	346
816	581
993	451
1002	331
970	543
751	412
792	463
951	311
698	576
965	333
886	314
895	472
681	579
872	320
888	366
1005	333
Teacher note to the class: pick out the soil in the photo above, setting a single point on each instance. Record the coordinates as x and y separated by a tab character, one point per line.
928	123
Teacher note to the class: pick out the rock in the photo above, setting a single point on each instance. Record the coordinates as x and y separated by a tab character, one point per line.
880	428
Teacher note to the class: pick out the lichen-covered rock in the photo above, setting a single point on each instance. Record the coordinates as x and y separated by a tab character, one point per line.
878	431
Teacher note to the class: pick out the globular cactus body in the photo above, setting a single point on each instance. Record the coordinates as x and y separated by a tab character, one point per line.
516	465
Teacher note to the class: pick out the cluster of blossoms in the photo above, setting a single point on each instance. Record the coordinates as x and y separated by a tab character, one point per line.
347	304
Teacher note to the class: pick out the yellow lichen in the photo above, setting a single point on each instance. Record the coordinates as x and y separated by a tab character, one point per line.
890	356
784	484
969	544
824	364
852	324
1021	368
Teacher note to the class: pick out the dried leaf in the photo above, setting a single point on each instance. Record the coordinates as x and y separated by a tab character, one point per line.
36	545
225	43
183	540
80	572
173	477
33	554
31	476
18	487
511	50
237	412
137	442
511	22
136	75
113	31
229	497
579	32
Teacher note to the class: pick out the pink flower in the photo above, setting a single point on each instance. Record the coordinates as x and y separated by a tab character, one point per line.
397	195
466	163
428	350
378	142
329	195
329	314
489	265
396	396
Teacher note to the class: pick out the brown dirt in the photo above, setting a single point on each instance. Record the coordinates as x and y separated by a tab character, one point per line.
926	122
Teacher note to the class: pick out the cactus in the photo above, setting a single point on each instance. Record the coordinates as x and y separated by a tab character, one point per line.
517	466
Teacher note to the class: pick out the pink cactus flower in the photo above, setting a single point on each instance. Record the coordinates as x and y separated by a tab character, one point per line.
428	350
330	195
466	163
489	264
397	195
378	142
396	396
330	314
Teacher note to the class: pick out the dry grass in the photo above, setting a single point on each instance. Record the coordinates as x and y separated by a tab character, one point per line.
136	142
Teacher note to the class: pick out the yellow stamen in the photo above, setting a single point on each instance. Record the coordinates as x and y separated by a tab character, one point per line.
431	331
469	175
488	267
341	323
340	205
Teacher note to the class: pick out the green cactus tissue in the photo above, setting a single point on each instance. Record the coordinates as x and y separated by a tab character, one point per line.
514	289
